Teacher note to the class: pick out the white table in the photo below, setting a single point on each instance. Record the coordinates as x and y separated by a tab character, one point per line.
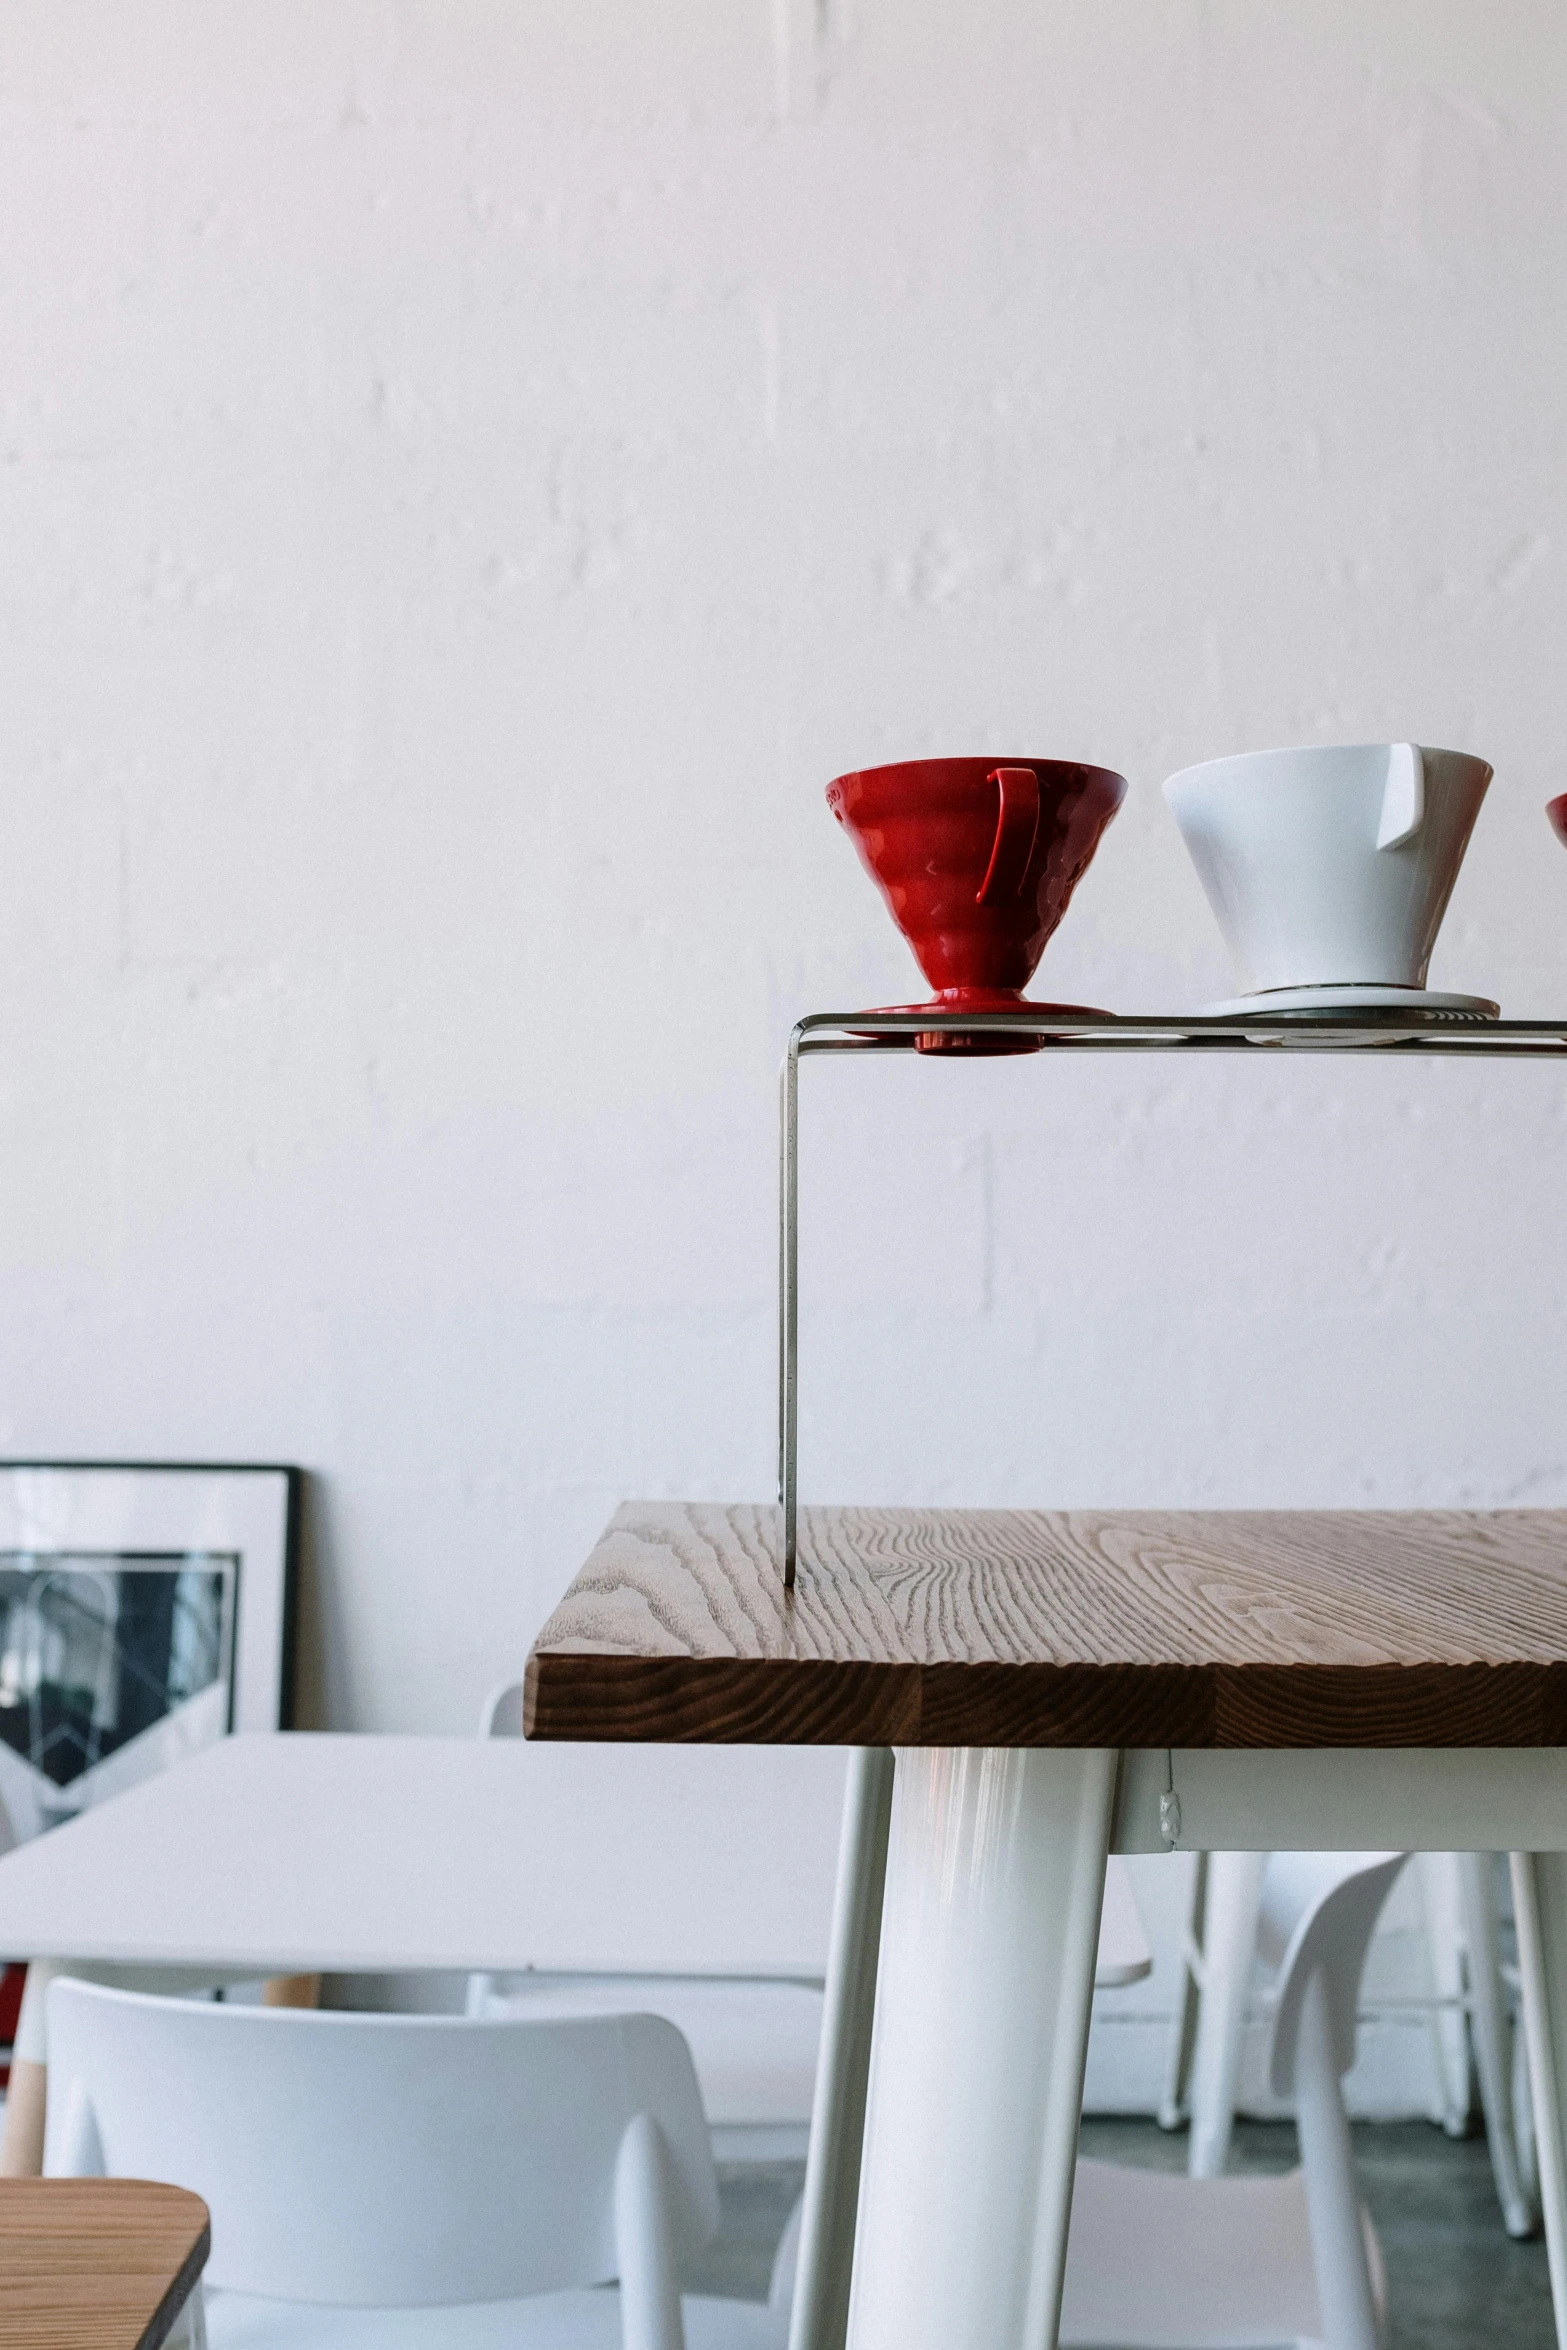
304	1851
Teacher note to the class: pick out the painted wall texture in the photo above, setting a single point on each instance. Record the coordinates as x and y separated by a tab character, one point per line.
471	475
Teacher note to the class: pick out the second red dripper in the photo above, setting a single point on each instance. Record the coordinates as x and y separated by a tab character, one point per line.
977	860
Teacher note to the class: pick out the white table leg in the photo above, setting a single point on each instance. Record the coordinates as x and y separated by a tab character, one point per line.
990	1925
820	2310
1540	1908
1229	1944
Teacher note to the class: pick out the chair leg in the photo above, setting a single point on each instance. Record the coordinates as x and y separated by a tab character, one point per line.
1183	2029
995	1879
1492	2031
1234	1900
1441	1898
1523	2118
1338	2244
22	2132
820	2314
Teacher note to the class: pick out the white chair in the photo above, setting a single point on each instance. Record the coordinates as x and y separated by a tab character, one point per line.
1471	2002
753	2039
409	2181
1156	2262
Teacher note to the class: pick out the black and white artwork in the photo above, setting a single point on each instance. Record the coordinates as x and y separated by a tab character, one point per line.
144	1612
112	1665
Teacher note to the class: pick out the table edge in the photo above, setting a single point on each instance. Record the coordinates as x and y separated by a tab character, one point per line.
593	1696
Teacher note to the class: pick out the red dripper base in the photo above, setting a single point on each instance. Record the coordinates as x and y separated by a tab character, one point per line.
982	1042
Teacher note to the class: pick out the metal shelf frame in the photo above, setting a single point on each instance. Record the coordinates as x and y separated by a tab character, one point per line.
1397	1032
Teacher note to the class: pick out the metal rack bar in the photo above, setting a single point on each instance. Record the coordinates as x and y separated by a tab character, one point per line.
1396	1032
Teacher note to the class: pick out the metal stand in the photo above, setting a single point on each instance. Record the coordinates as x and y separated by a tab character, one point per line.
1395	1032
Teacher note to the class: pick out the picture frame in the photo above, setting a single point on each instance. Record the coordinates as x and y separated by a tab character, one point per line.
146	1608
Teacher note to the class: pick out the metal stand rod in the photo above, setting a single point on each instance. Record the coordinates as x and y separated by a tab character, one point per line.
820	2317
789	1303
1397	1033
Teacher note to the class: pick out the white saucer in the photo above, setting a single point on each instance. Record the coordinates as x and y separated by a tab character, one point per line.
1417	1001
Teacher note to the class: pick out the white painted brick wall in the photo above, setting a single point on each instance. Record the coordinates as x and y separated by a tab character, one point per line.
472	473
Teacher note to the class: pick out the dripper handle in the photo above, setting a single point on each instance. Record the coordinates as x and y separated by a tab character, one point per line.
1017	827
1403	796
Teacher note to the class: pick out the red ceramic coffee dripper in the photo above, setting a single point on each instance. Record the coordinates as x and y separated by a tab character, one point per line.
1557	812
977	860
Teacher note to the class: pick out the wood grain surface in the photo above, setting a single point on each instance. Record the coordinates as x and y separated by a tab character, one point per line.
96	2264
922	1627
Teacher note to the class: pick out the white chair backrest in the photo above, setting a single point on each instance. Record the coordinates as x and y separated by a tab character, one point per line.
1336	1898
500	1716
384	2159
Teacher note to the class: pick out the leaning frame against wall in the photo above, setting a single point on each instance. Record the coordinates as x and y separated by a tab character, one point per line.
146	1609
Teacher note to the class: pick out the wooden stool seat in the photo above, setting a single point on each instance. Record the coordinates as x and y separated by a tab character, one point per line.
96	2264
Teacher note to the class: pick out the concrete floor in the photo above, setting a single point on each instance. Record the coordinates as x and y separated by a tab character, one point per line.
1455	2280
755	2200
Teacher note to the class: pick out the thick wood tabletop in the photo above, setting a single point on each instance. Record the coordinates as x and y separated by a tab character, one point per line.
920	1627
96	2264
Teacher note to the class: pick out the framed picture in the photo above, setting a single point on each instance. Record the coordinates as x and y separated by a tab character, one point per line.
145	1610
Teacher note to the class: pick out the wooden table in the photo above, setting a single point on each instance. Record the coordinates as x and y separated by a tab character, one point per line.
96	2264
1059	1685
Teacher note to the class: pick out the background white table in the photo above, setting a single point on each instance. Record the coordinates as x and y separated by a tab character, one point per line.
302	1851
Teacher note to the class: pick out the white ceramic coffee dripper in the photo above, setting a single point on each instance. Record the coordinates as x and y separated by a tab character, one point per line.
1330	870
